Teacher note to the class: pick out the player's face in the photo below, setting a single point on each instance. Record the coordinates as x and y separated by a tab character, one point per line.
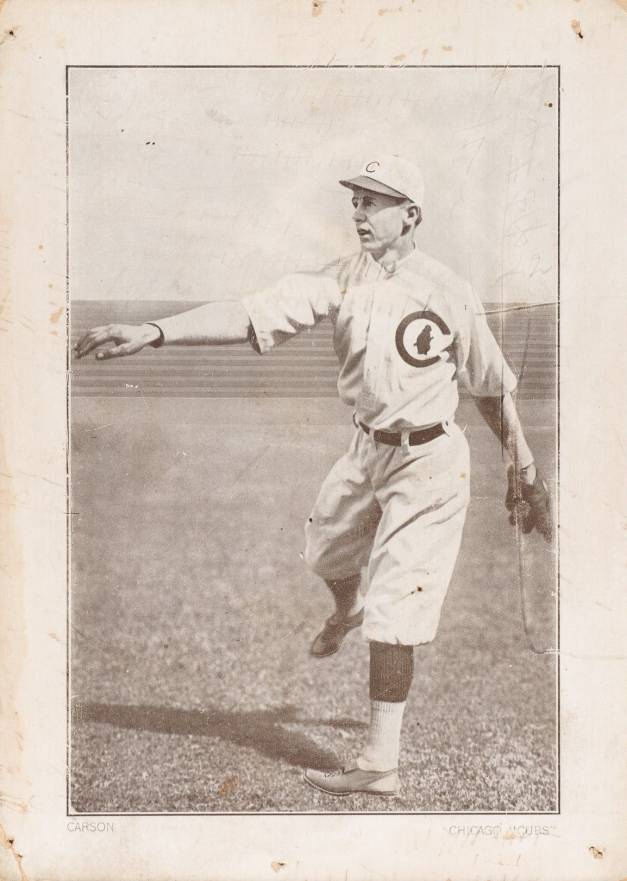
380	220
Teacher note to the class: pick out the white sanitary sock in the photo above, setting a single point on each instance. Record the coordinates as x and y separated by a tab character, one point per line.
381	750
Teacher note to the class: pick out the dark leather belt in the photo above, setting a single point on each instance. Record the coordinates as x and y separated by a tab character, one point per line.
395	438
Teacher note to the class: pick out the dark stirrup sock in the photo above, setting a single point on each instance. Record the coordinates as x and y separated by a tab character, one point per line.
391	671
345	593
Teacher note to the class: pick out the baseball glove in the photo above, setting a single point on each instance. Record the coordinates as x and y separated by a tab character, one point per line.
529	504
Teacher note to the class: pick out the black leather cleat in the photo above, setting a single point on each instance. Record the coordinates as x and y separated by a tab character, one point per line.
331	637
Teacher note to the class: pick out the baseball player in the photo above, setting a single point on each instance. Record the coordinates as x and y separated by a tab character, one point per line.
407	332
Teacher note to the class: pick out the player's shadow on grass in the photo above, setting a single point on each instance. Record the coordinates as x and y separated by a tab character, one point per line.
261	730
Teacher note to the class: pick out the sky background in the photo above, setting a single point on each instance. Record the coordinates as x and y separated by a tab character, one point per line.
205	183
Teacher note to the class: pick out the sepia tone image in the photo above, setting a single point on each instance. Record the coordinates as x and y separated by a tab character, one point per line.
313	411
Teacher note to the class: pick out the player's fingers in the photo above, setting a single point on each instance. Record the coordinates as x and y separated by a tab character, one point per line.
545	526
82	346
116	352
511	500
542	515
539	519
95	337
509	495
514	497
528	523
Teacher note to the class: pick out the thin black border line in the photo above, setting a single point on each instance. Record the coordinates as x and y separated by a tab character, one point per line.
311	66
557	488
511	814
69	67
68	515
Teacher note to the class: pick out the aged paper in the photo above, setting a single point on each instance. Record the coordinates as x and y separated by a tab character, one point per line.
158	155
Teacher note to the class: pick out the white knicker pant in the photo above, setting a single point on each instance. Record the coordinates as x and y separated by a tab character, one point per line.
401	512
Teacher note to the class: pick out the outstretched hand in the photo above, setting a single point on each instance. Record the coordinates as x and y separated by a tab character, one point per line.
127	338
529	504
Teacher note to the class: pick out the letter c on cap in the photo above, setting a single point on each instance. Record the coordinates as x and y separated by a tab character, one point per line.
372	166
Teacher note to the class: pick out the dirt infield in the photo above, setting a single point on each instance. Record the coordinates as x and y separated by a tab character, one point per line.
192	613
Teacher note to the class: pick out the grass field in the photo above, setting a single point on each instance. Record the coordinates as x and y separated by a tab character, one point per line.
192	613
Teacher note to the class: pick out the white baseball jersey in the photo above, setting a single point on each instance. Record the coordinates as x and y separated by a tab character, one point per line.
404	338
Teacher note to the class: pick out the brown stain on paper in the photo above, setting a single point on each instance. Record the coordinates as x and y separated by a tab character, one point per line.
14	804
9	844
8	34
277	865
14	647
597	852
576	26
54	316
316	7
228	786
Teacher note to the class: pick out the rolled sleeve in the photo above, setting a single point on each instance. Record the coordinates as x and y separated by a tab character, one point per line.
482	368
296	303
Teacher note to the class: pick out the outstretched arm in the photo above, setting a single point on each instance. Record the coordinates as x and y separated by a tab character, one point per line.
527	498
212	324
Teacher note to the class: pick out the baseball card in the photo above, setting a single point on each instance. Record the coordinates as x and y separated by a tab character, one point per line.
312	465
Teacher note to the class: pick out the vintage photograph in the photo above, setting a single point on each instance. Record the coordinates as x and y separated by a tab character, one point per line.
313	412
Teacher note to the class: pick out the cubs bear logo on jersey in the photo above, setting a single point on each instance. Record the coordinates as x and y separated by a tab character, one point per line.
421	337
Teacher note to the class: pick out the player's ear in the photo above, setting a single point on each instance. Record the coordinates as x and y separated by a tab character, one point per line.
413	216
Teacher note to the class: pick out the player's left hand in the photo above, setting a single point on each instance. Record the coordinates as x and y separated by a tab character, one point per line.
529	504
128	338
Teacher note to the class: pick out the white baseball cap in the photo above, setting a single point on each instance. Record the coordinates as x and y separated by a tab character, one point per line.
391	175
